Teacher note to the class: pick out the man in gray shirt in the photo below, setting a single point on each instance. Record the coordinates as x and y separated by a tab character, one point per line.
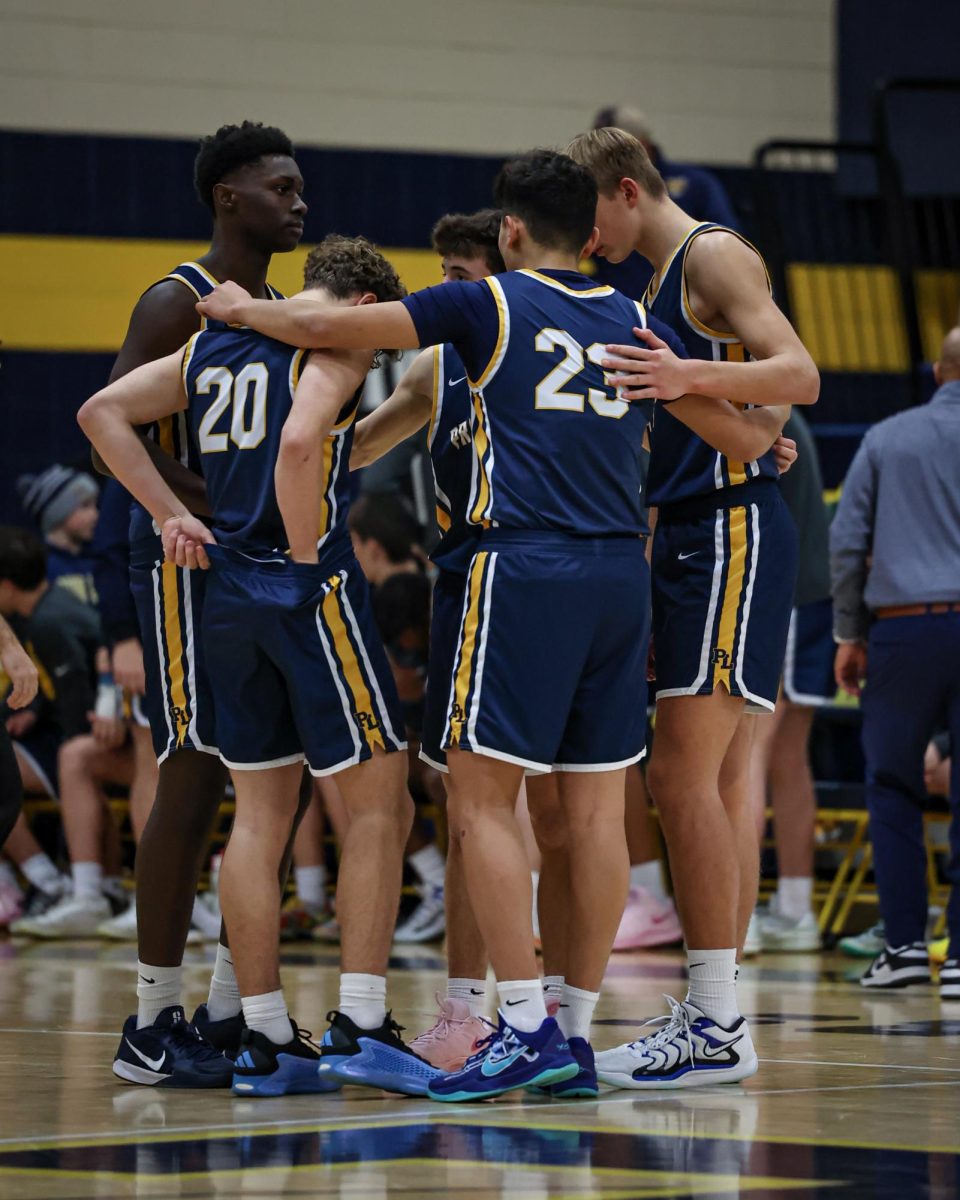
895	569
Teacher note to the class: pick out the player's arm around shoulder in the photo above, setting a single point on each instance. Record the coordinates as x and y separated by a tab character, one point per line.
728	289
405	410
303	322
327	382
740	435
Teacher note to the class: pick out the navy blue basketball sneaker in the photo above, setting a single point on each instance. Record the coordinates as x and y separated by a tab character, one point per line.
583	1085
373	1057
222	1035
170	1053
262	1068
510	1058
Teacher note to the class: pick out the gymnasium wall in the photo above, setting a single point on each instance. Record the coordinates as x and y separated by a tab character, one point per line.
481	76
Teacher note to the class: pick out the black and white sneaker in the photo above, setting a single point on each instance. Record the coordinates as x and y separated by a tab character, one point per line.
898	967
950	979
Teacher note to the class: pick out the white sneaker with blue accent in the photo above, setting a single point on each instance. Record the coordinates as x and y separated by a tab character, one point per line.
690	1050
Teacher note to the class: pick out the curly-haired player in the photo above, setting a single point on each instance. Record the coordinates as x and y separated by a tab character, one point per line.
296	665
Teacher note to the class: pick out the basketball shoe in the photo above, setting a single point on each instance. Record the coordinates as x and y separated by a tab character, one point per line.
454	1036
71	917
263	1068
950	980
223	1035
864	945
647	921
690	1050
583	1085
169	1053
898	967
509	1058
373	1057
428	920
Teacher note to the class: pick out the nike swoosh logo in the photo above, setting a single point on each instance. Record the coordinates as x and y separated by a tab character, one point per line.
693	966
454	382
146	980
496	1068
154	1065
681	557
714	1052
511	1003
474	992
59	672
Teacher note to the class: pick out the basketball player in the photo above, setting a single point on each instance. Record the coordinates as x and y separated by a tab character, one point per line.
724	564
551	661
20	676
247	177
296	666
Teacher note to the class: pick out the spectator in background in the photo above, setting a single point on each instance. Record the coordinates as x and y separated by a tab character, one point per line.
895	567
385	536
698	192
780	765
18	688
63	503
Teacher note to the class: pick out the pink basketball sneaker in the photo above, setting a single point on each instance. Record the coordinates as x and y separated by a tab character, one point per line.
453	1037
647	921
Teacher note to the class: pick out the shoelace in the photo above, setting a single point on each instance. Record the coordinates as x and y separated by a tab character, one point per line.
675	1023
485	1045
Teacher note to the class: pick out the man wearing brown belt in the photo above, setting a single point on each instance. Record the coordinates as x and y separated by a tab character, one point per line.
895	567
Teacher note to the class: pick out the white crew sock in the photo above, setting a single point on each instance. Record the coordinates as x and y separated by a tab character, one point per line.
267	1014
363	998
576	1012
224	998
87	880
649	876
471	991
311	883
552	989
157	988
713	984
43	874
522	1004
794	897
430	865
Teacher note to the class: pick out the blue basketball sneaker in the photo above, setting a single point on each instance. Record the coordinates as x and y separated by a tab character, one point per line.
222	1035
262	1068
583	1085
510	1058
169	1053
373	1057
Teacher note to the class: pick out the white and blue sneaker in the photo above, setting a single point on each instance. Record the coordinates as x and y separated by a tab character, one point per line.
169	1053
690	1050
510	1058
262	1068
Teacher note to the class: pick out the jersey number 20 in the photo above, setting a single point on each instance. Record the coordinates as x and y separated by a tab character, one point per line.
550	393
245	395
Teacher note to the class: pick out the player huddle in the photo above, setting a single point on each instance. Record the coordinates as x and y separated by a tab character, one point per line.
540	391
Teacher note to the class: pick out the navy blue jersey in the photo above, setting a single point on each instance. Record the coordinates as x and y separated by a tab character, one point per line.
554	447
240	387
171	433
449	440
681	464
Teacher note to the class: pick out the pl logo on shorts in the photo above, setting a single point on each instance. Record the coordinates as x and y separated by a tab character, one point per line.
721	658
366	720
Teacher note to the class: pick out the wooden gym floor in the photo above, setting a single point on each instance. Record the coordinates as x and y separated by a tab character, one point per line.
858	1095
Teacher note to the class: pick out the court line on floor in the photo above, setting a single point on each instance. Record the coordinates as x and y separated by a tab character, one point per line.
855	1087
822	1062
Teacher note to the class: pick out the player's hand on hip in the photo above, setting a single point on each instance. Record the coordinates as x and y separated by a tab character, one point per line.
850	667
223	303
785	453
650	371
184	539
22	674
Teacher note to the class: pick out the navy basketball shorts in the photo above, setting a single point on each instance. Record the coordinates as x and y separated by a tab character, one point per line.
446	616
550	671
297	665
178	702
808	666
723	583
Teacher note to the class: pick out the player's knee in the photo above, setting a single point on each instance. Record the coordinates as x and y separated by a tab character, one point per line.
551	827
77	754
